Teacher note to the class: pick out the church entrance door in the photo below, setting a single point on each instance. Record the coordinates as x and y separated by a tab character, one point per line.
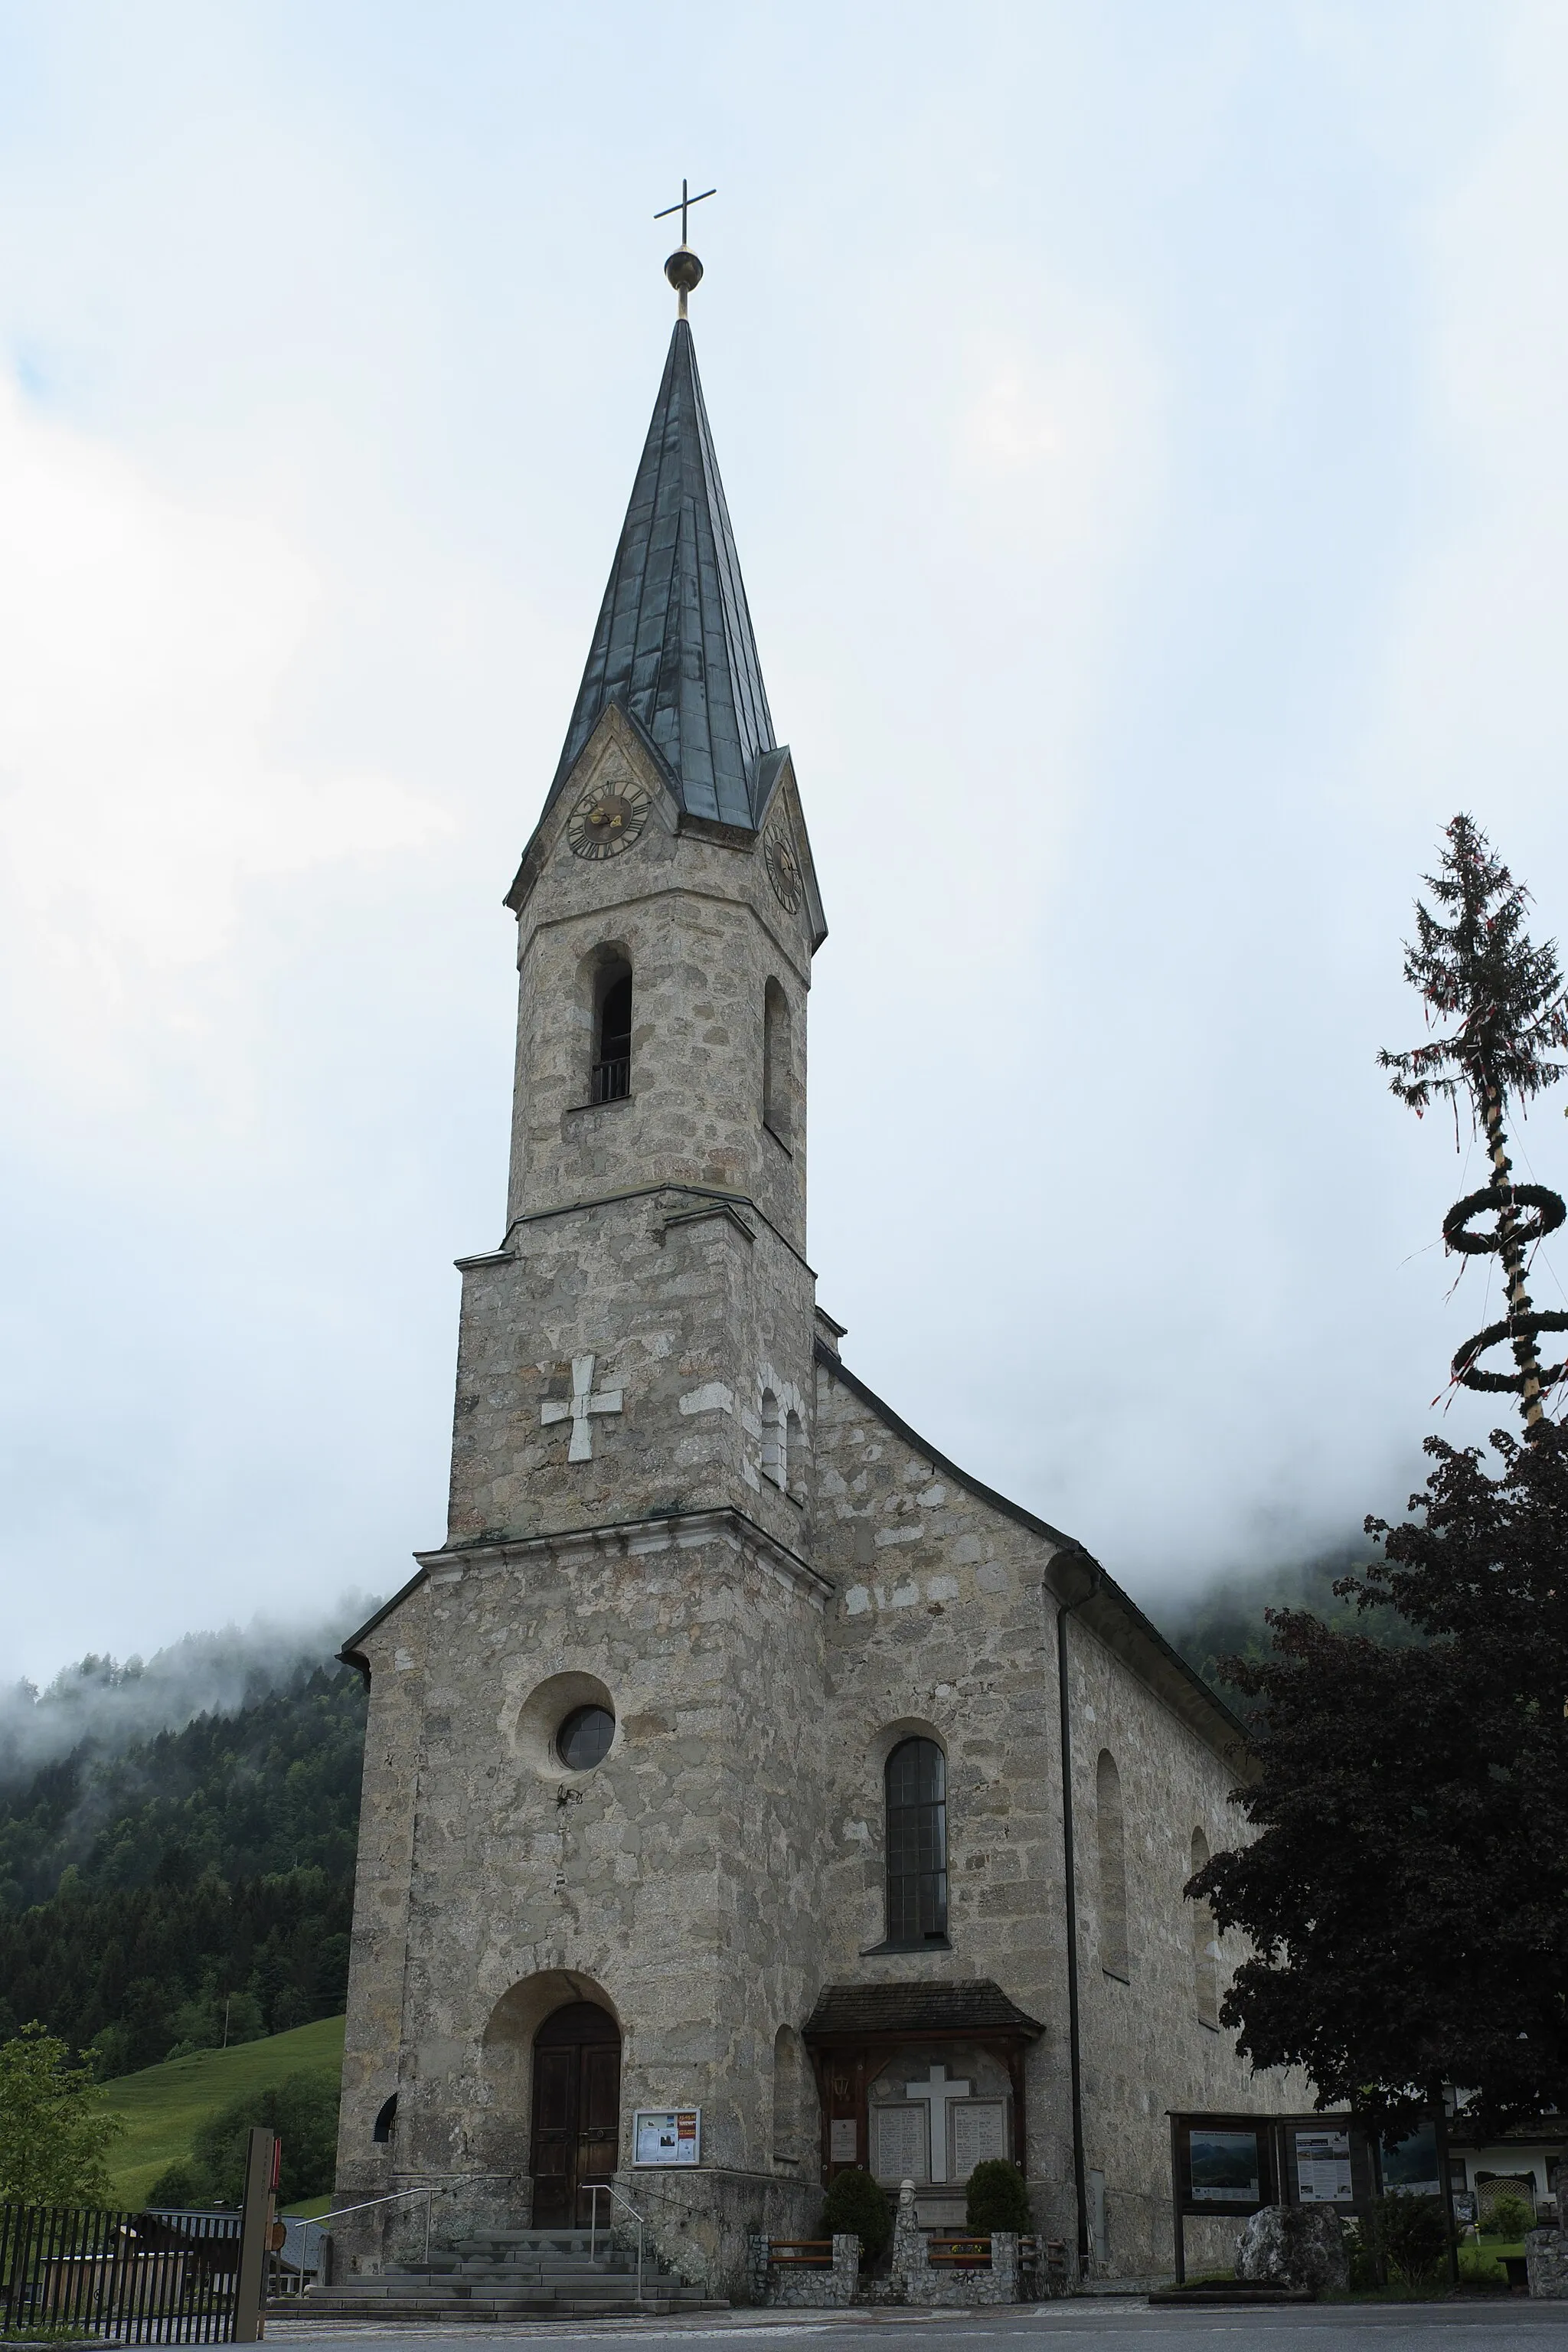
576	2112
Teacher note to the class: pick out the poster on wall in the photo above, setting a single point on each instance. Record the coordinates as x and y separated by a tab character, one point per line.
1323	2167
667	2135
1224	2168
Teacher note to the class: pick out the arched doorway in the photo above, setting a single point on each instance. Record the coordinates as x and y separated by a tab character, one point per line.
577	2111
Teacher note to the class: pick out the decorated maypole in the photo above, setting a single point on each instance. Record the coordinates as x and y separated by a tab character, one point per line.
1507	1000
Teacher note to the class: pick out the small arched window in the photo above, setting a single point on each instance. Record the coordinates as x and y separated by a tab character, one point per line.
385	2122
776	1071
612	1072
775	1466
1114	1951
917	1843
1205	1945
795	1456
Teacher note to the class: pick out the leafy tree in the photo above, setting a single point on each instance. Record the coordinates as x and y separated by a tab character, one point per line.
996	2198
302	2110
1406	1895
856	2207
52	2134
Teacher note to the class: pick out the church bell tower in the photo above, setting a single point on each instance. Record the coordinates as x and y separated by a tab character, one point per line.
592	1780
642	1340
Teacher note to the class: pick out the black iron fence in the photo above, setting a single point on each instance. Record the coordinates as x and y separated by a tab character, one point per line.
612	1081
132	2278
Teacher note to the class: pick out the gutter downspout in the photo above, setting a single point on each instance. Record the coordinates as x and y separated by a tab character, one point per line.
1075	2048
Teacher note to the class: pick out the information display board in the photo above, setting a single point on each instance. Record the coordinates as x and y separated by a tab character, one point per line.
667	2135
1323	2167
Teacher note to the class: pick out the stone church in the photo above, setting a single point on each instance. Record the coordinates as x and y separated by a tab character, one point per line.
748	1792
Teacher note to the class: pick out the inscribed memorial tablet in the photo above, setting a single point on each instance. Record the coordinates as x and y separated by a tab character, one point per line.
902	2150
977	2134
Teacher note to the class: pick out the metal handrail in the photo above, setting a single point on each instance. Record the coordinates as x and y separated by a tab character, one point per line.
429	2192
608	2189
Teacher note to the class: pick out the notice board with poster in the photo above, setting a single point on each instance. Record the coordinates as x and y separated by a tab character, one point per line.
667	2135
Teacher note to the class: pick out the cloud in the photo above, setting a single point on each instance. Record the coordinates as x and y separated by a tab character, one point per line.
145	645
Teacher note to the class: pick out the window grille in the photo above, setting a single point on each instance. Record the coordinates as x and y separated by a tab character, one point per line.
917	1842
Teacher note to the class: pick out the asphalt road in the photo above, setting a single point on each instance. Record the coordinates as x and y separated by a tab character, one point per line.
1117	2325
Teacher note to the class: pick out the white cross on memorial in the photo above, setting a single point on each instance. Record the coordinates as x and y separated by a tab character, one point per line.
582	1402
936	2092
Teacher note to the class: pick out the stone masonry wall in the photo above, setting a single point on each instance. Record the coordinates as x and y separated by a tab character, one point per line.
686	1311
694	913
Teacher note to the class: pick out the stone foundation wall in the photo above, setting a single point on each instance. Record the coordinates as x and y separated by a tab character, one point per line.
1546	2264
704	2224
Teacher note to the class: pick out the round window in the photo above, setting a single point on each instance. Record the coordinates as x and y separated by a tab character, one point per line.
584	1739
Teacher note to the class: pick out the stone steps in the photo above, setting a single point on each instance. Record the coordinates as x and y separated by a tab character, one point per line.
507	2274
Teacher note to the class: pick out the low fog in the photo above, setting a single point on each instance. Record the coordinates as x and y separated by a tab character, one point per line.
114	1704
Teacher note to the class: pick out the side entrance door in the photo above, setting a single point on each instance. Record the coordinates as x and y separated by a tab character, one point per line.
576	2113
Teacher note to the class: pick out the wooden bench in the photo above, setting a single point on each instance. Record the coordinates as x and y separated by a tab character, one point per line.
803	2253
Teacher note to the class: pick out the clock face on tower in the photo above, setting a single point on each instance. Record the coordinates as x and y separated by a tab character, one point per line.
784	871
609	818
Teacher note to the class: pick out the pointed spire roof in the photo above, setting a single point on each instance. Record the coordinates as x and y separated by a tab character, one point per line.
674	644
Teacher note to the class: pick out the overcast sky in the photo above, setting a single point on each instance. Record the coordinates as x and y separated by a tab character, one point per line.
1143	431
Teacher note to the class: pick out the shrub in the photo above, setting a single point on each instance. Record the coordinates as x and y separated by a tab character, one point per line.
996	2198
180	2184
1508	2217
856	2207
302	2110
1407	2233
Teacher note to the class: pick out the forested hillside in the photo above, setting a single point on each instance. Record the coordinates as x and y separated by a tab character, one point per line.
157	1891
1228	1618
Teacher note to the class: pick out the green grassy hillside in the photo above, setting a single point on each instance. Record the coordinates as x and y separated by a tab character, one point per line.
164	2105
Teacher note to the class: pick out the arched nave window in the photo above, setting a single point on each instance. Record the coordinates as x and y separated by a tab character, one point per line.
917	1842
1205	1946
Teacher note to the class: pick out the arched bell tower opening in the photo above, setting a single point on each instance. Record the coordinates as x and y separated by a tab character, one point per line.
611	1077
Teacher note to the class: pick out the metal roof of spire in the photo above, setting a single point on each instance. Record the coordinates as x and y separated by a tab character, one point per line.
673	645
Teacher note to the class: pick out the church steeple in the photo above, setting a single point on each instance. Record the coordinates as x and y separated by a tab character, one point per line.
673	645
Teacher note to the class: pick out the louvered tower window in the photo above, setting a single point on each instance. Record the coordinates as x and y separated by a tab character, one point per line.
917	1842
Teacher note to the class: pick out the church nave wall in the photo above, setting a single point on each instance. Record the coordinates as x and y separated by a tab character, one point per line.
1151	2037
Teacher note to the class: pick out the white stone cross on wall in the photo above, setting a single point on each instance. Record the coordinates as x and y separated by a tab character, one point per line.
582	1403
936	2092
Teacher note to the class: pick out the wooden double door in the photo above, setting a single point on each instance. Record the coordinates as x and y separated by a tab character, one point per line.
576	2113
